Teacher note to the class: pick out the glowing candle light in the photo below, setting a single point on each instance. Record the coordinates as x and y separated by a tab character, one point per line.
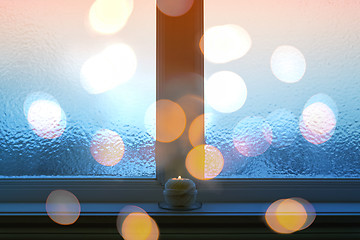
180	192
180	183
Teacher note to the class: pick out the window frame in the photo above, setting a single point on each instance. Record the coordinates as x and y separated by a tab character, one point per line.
242	189
269	190
178	54
190	26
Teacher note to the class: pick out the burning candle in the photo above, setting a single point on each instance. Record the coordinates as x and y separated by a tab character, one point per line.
179	184
180	192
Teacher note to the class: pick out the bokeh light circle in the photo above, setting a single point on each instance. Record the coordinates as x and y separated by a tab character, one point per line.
169	119
323	98
107	147
226	43
252	136
196	131
291	214
288	64
271	218
310	211
319	118
110	16
317	123
204	162
112	67
44	115
225	91
286	216
284	126
174	8
134	223
136	226
63	207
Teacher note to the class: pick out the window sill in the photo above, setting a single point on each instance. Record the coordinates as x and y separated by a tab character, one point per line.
207	209
212	221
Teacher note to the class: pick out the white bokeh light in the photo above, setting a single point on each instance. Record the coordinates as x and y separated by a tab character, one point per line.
63	207
288	64
225	91
225	43
317	123
110	16
319	118
109	69
44	115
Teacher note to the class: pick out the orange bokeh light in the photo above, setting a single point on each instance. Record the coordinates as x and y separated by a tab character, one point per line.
170	121
291	214
136	226
204	162
196	131
201	44
134	223
286	216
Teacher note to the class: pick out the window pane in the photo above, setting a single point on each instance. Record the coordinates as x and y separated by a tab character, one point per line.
76	80
282	87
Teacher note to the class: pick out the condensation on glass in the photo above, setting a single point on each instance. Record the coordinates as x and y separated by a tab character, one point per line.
76	80
282	87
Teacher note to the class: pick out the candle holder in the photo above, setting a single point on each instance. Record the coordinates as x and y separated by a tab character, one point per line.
180	194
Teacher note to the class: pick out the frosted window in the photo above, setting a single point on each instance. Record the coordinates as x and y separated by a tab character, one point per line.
76	80
282	87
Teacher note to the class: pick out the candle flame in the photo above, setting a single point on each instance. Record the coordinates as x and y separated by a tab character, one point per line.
179	177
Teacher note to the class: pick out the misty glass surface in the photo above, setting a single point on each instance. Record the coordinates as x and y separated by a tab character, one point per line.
282	84
76	79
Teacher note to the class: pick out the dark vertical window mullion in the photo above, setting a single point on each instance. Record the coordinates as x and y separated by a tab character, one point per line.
180	63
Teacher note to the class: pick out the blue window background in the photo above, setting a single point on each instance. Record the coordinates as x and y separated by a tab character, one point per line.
282	87
44	46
